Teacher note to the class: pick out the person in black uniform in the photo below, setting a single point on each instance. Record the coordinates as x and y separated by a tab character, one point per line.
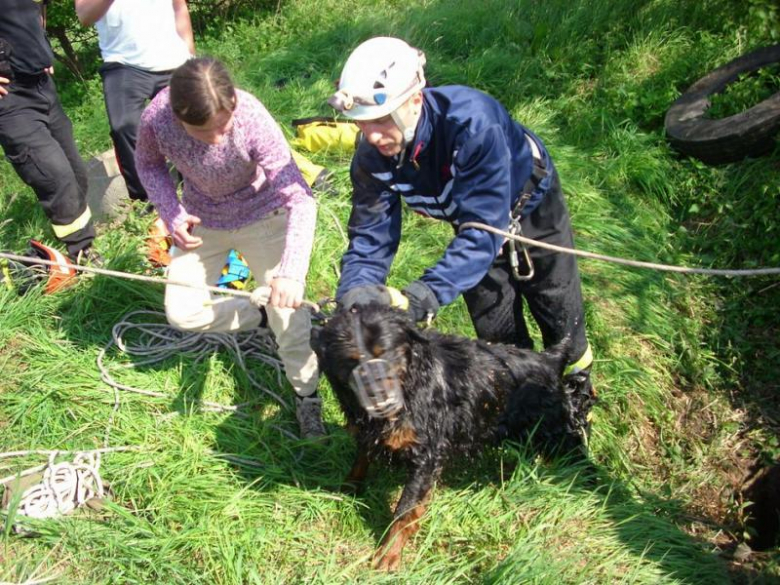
35	133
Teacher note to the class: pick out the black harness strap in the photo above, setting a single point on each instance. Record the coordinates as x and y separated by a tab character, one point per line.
538	173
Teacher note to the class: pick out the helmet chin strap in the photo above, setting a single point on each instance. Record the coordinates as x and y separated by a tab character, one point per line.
407	131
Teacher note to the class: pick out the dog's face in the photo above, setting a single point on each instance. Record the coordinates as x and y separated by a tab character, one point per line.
361	333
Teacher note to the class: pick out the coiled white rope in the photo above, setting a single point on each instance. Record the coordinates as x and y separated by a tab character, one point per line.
54	453
65	486
155	341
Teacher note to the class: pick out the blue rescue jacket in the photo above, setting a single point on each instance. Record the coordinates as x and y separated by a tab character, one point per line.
469	162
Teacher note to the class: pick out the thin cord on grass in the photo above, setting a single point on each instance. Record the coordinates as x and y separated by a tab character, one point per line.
66	486
127	275
48	452
53	453
467	225
157	341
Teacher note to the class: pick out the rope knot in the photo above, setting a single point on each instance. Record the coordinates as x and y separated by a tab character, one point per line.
64	487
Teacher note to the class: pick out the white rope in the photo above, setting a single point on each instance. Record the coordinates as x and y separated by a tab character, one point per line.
49	452
157	341
24	473
53	453
64	487
258	297
615	259
125	275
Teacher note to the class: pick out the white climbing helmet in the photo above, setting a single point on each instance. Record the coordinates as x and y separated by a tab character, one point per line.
379	76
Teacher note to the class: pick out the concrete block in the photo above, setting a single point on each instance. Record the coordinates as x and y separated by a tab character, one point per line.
107	194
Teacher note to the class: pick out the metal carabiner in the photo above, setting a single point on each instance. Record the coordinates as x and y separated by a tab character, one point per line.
514	260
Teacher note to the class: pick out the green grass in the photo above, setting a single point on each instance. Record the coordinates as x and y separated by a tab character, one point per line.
685	365
746	92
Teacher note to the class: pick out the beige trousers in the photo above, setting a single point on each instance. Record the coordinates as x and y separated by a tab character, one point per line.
261	244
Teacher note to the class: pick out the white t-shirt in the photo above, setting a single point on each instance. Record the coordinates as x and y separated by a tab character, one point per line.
141	33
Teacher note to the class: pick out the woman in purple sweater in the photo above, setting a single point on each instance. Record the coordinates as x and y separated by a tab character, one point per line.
242	191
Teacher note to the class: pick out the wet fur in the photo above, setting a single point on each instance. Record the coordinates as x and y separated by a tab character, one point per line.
460	395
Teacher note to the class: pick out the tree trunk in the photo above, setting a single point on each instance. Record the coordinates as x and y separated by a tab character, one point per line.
69	59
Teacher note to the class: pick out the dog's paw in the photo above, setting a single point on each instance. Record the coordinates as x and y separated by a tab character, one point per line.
386	560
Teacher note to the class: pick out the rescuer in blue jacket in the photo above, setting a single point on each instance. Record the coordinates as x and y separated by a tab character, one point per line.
454	154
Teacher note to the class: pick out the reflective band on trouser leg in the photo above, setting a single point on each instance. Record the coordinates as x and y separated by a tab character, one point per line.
581	364
62	231
6	275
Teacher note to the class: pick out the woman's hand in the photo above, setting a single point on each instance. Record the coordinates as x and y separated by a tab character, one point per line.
182	235
286	293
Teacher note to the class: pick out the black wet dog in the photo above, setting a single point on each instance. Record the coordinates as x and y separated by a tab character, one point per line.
459	395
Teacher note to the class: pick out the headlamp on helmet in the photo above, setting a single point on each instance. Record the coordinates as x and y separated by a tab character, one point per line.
378	77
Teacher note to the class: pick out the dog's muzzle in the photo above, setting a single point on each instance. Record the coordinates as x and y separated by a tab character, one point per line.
377	388
374	380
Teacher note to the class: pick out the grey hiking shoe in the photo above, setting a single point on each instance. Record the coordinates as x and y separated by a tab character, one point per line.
308	411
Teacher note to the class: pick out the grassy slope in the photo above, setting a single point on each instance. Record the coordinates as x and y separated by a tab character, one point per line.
676	420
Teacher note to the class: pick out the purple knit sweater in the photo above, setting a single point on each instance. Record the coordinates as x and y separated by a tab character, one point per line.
231	184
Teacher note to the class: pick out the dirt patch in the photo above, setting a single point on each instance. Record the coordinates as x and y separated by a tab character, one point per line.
12	353
724	443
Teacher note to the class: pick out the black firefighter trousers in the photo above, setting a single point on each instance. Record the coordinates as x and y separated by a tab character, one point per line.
553	295
126	91
37	138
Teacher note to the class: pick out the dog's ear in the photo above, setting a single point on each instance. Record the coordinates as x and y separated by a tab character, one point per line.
314	340
560	354
404	321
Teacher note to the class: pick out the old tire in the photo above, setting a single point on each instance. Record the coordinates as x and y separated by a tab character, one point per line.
749	133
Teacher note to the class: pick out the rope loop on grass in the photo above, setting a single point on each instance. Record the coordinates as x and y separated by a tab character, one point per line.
64	487
154	341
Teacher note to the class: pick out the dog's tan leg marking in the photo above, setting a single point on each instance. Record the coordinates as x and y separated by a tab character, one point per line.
388	555
401	438
359	470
